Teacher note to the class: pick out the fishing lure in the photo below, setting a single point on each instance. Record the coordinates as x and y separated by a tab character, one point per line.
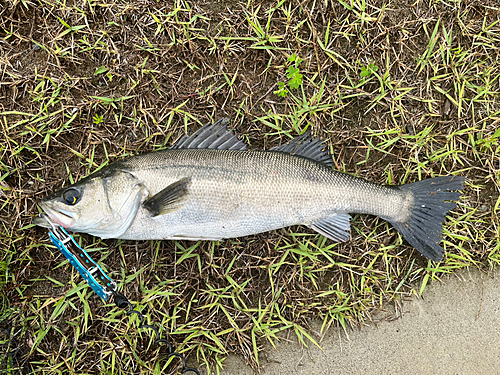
93	274
101	283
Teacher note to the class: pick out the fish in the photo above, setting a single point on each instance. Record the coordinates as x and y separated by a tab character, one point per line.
209	186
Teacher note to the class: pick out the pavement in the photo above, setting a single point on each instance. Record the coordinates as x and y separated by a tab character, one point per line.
454	328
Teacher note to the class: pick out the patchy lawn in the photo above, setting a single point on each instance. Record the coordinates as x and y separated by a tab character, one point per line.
401	91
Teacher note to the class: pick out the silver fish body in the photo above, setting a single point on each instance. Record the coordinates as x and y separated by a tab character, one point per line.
238	193
210	187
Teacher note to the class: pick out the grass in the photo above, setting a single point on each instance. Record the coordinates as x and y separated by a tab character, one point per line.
401	92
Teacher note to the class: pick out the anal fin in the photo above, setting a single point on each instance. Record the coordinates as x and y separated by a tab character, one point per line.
336	227
169	198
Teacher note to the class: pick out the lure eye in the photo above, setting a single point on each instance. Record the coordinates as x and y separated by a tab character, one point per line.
71	196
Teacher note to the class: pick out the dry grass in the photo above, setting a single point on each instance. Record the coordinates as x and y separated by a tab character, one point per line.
401	90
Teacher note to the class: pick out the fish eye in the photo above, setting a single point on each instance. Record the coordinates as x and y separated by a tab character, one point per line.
71	196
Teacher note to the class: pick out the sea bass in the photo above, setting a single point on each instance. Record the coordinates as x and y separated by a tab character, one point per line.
208	186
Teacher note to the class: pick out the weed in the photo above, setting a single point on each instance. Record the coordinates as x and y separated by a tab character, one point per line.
293	75
97	119
367	72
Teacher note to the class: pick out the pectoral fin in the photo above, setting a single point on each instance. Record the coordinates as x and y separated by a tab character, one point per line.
169	198
335	227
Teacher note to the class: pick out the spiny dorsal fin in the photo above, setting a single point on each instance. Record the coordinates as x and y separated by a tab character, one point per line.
307	147
169	198
215	136
335	227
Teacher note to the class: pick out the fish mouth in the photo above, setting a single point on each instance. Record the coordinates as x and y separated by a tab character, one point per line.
52	216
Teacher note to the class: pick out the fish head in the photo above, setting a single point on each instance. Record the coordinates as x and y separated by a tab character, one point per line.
103	204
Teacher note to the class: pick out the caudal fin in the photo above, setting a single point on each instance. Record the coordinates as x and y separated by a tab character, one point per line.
424	228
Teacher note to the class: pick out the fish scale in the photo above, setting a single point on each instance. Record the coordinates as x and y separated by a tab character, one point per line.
237	193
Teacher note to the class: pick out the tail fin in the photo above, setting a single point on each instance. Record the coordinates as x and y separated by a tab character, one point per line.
424	228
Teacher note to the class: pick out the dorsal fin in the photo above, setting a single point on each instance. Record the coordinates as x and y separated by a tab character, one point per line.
307	147
215	136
